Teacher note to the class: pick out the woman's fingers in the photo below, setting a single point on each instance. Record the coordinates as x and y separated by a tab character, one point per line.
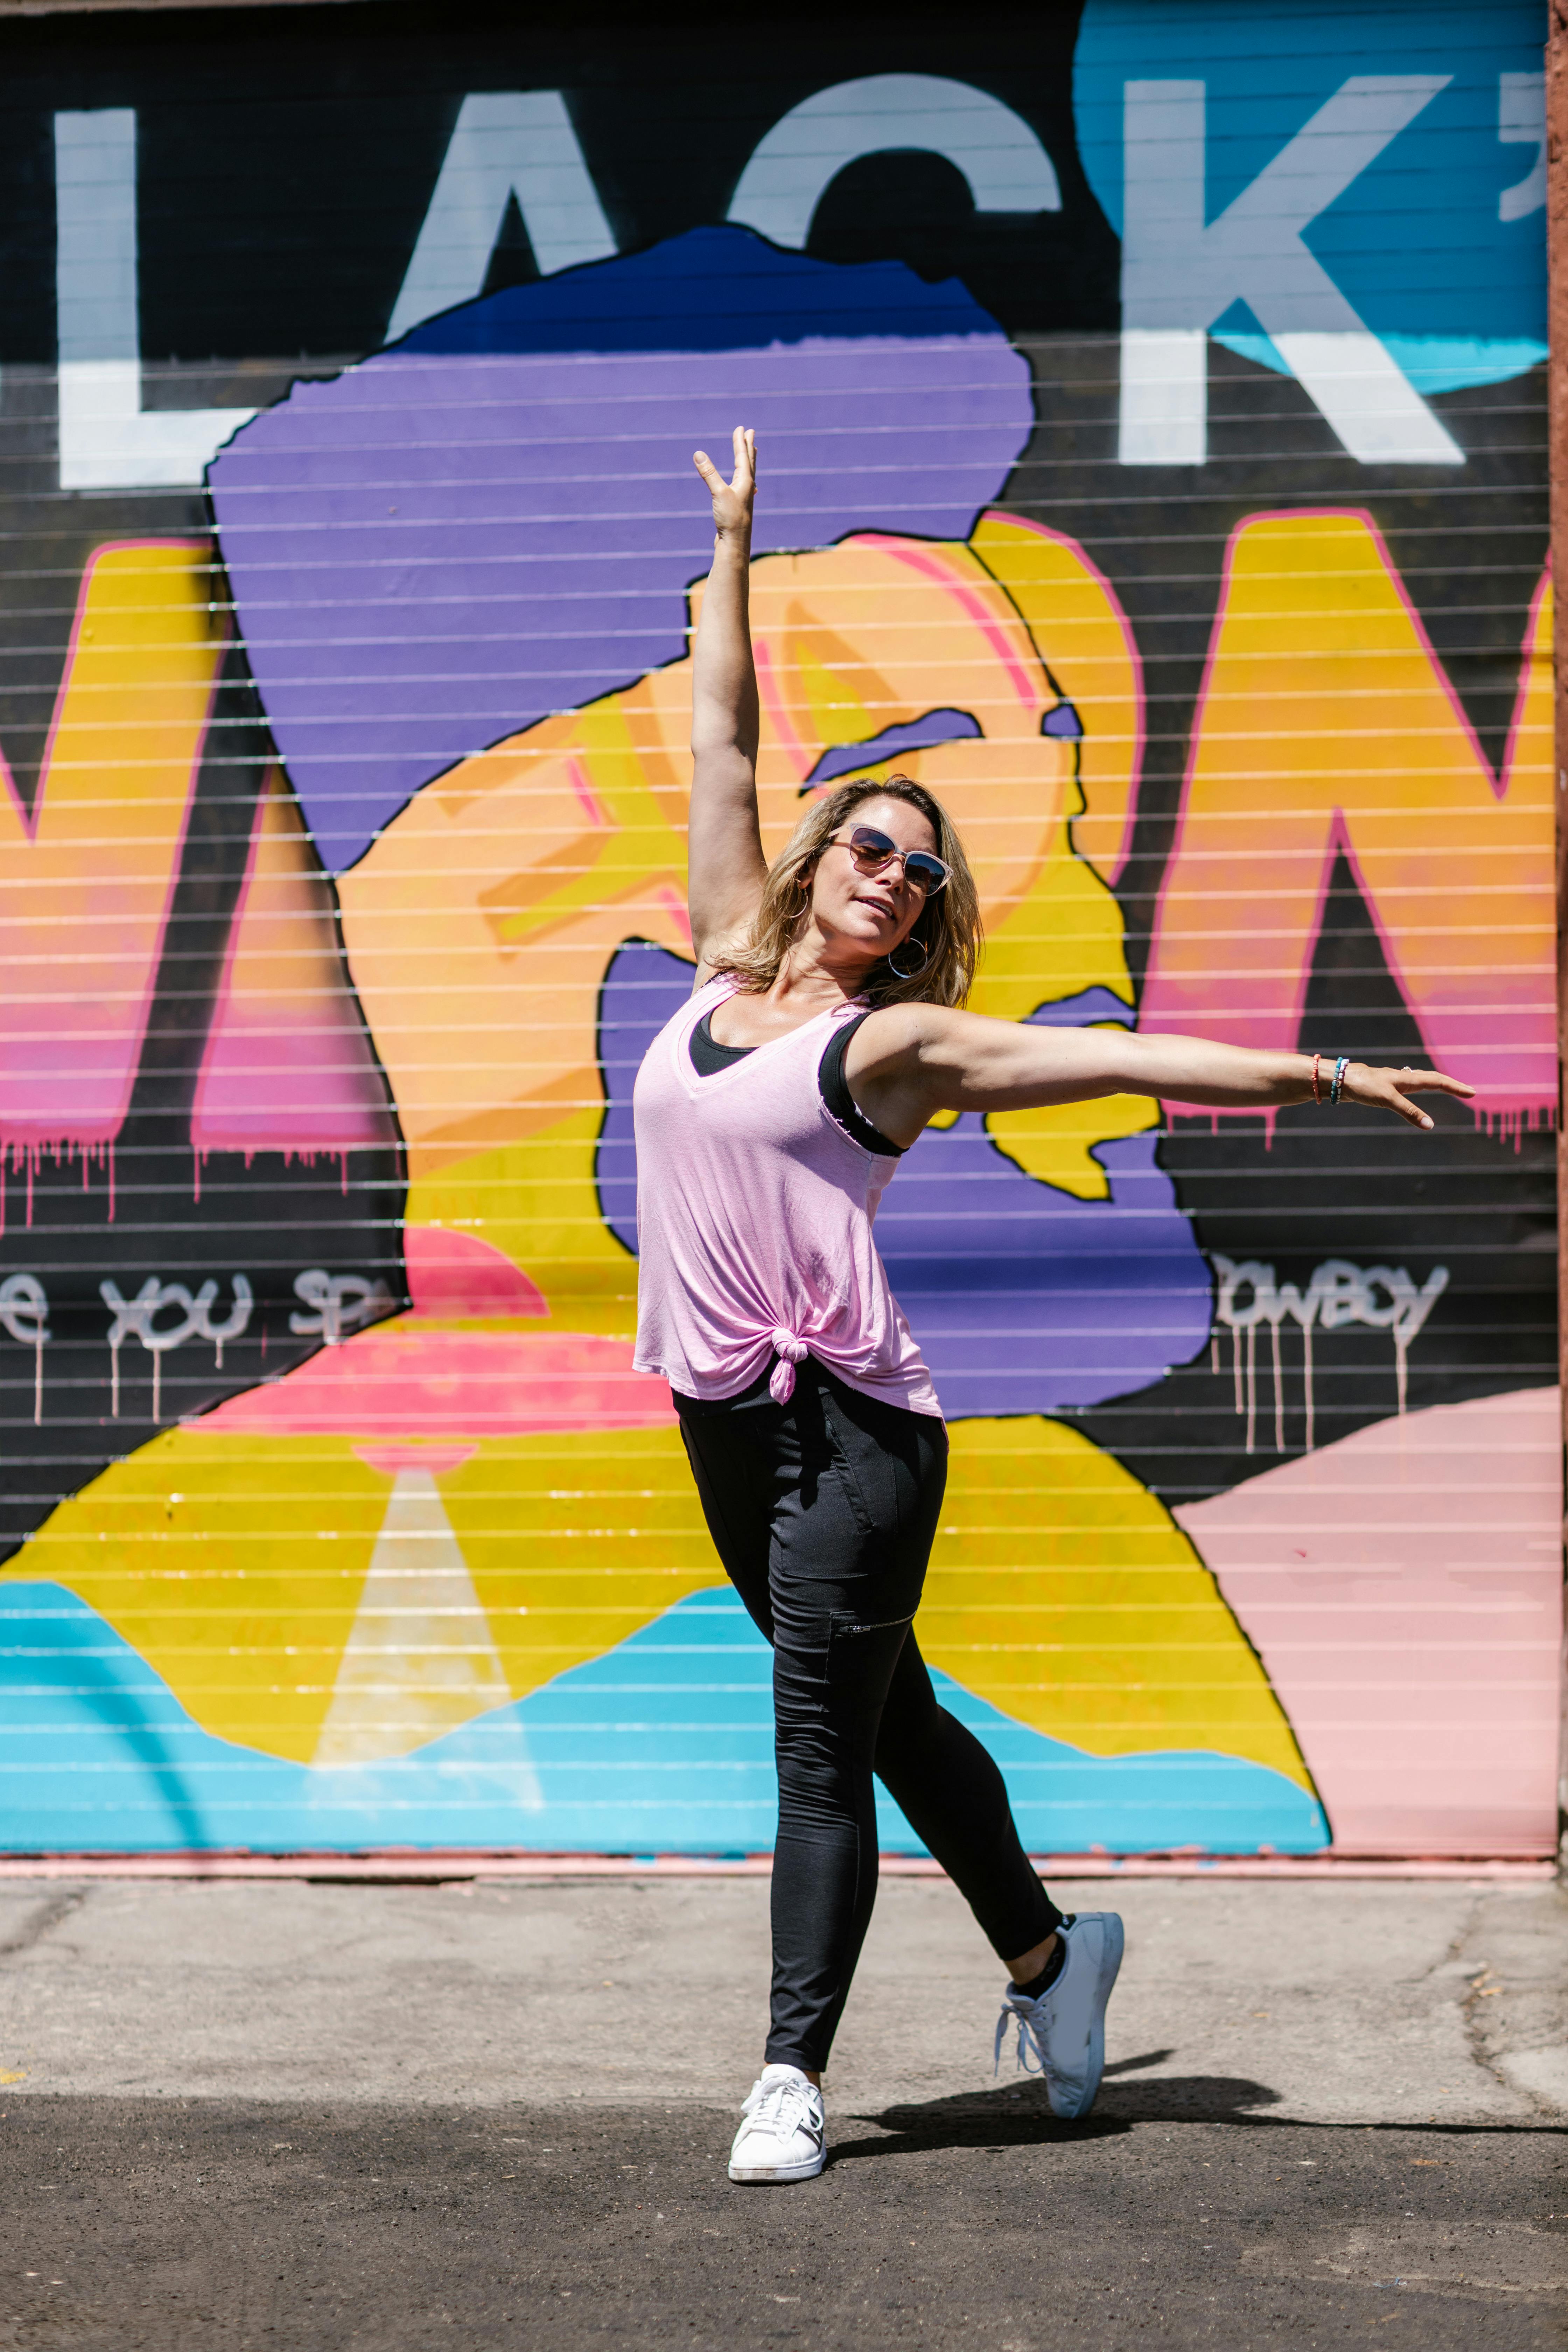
1392	1090
1433	1082
1407	1111
731	499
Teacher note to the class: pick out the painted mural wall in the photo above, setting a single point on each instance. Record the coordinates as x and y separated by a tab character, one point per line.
1151	400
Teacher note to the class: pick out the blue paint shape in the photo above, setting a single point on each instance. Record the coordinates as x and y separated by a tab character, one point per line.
1023	1298
664	1745
923	734
712	290
1416	242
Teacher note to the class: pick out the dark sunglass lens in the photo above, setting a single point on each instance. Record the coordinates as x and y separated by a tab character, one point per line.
928	872
866	842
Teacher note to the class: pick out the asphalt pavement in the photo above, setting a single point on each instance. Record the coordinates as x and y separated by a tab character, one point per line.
321	2117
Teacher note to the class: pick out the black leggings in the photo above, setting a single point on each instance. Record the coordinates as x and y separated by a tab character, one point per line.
823	1511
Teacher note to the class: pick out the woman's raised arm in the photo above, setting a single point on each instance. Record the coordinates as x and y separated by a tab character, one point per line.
726	868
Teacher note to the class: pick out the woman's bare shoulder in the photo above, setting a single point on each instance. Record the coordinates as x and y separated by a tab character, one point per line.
891	1032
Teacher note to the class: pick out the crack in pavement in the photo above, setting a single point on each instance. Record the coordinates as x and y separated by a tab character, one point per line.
43	1921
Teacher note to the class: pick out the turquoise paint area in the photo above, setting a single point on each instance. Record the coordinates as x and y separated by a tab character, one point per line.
1426	243
664	1745
1433	362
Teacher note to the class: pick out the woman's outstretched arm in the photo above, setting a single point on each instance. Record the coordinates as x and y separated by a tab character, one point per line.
726	865
917	1059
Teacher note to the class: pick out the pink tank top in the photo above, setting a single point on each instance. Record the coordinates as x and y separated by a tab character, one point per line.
755	1213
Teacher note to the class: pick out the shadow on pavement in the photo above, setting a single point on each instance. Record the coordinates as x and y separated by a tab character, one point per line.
1014	2116
1136	2065
1018	2115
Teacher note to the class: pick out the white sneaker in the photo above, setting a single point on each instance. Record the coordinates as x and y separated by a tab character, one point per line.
1061	2035
784	2136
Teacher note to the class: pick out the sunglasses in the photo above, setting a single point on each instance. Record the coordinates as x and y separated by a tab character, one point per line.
872	850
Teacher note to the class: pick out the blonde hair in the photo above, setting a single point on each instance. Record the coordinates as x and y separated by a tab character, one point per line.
948	925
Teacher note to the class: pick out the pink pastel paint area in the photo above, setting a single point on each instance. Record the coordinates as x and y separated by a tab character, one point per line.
399	1382
68	1090
314	1091
1404	1590
421	1385
454	1273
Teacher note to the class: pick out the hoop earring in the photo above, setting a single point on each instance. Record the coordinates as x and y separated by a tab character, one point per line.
898	969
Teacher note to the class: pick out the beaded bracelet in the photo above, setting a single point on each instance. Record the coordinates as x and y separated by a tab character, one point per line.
1316	1089
1341	1066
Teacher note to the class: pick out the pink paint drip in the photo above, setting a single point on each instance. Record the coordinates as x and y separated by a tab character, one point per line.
1512	1124
19	1153
306	1158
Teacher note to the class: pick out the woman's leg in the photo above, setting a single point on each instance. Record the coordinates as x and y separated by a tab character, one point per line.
846	1492
952	1796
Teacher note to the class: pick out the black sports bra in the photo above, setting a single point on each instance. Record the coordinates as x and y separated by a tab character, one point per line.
708	1056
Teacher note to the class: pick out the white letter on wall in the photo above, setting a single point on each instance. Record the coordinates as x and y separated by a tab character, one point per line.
1179	274
508	142
1521	122
1008	169
107	441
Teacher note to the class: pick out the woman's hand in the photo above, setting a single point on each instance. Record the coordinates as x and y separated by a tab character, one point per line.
1388	1089
732	501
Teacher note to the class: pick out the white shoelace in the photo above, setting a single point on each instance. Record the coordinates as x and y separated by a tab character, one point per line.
782	2105
1028	2021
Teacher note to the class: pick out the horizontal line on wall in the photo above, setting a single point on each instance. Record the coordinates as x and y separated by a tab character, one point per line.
388	1866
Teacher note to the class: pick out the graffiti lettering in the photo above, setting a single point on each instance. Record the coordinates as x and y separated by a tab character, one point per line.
133	1318
1338	1292
506	142
791	167
1316	620
1179	276
87	872
25	1313
1521	122
108	441
342	1302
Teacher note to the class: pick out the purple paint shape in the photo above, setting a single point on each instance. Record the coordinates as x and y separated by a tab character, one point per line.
1064	723
1090	1004
923	734
498	518
1026	1300
1023	1298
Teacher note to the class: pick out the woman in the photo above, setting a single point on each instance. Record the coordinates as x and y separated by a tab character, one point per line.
823	1032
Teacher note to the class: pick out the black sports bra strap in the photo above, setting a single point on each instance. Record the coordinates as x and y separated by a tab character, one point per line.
707	1054
836	1093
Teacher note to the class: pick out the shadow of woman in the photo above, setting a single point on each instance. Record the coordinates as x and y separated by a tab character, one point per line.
1017	2115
